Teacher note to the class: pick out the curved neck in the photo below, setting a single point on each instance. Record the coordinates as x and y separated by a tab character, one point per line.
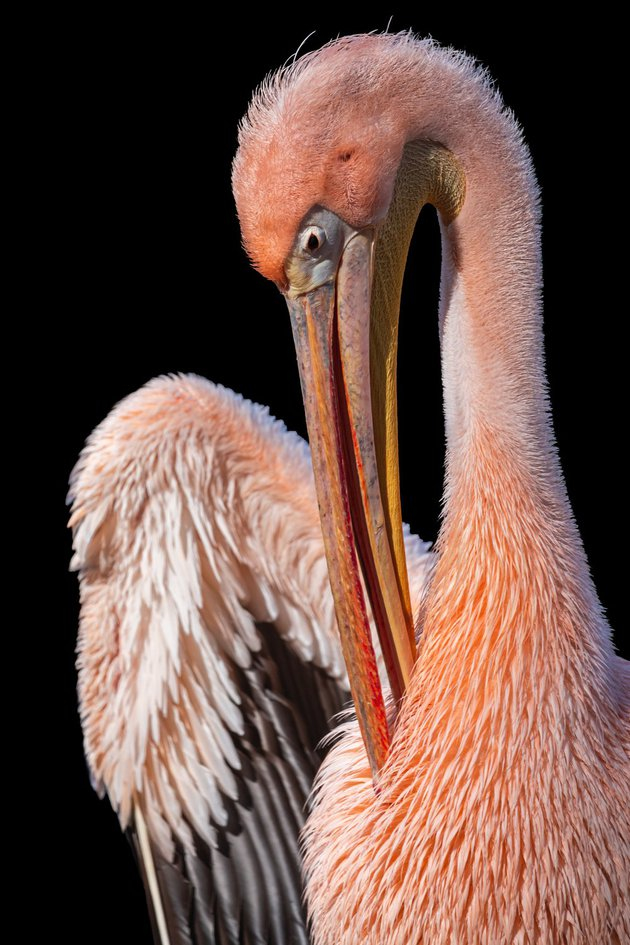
508	532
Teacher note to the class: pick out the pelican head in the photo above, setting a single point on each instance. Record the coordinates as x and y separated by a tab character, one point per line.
322	180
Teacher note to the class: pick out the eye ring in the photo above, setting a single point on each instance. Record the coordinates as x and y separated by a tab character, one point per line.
313	240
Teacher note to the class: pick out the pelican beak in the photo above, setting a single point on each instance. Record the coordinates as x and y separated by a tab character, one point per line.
356	476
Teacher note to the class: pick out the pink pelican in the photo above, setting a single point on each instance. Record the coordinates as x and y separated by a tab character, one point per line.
481	798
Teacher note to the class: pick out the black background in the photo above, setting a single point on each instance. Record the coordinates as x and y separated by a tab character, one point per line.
140	272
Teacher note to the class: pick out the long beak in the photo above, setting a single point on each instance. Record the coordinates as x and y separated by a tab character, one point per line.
331	327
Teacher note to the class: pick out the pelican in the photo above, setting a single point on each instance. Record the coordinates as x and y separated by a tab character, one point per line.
479	796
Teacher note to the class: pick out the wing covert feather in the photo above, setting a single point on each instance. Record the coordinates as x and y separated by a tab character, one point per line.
209	666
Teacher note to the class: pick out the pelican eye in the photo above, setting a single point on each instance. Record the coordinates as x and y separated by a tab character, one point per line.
313	240
318	247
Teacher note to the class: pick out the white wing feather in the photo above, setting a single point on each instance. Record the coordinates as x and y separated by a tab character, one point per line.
195	521
195	518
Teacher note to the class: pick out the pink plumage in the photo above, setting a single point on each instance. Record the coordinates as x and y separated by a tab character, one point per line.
208	649
502	812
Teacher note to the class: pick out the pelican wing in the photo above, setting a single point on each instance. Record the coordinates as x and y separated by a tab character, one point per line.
209	665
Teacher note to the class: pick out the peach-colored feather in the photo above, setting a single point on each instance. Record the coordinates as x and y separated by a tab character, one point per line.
502	814
195	521
194	517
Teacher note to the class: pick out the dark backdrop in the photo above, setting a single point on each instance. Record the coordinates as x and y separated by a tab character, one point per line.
142	273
